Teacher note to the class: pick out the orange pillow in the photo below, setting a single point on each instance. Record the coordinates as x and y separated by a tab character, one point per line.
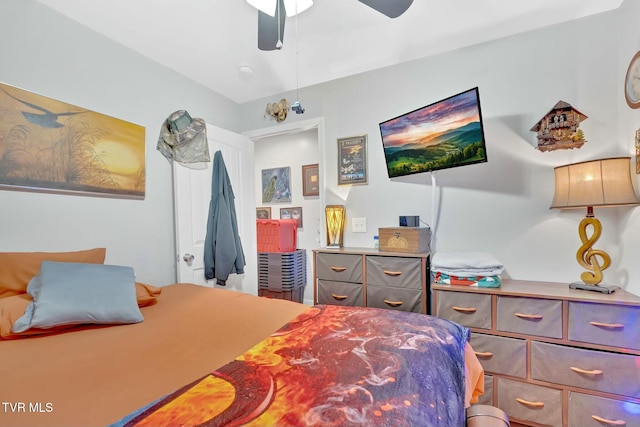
146	294
13	307
18	268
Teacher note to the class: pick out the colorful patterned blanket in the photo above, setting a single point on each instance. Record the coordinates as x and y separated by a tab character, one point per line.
479	281
331	366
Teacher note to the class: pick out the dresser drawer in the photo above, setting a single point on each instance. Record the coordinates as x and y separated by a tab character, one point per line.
501	355
486	398
531	316
594	411
339	267
394	298
529	402
589	369
340	293
468	309
615	325
394	271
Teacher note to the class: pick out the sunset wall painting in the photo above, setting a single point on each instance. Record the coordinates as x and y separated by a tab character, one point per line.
50	146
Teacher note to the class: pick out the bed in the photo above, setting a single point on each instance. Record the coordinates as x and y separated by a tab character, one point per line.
204	356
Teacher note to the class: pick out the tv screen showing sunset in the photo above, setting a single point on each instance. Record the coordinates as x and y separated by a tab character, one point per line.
445	134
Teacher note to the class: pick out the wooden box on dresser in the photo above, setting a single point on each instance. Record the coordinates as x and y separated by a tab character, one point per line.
552	356
372	278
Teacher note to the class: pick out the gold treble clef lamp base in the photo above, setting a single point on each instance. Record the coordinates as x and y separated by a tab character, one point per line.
594	260
594	183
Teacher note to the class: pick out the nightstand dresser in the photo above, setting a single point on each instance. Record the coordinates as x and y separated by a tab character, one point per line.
552	356
372	278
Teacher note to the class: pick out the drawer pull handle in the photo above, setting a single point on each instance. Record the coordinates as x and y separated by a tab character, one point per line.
583	371
529	316
339	297
338	269
464	309
608	325
393	303
529	403
392	273
483	354
610	422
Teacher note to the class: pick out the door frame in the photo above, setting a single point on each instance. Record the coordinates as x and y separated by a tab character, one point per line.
217	136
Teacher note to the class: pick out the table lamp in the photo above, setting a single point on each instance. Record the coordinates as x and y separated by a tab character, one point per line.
595	183
335	225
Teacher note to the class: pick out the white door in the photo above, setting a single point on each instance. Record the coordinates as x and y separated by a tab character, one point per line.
192	194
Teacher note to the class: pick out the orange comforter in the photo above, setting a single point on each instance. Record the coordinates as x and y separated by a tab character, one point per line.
97	375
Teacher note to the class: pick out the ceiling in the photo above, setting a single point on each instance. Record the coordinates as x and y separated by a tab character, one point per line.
207	40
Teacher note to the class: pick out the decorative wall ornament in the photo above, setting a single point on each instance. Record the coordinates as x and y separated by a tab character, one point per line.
278	110
558	129
632	82
292	213
310	180
352	160
276	185
263	212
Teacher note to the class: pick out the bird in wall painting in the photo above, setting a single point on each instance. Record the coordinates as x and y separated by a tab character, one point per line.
46	119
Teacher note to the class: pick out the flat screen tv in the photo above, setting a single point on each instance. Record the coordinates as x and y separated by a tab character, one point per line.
445	134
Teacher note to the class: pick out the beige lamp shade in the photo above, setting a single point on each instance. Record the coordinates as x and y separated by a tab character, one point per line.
595	183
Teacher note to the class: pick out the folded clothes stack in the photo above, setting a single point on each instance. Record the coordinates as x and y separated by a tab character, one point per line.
467	269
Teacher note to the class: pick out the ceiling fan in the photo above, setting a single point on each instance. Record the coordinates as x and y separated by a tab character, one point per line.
272	13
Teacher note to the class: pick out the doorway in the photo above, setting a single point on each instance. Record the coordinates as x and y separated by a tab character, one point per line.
292	147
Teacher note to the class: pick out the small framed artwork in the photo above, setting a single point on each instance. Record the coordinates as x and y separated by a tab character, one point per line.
352	160
310	180
276	185
292	213
263	213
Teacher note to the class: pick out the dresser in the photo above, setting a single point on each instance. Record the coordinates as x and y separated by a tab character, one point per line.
372	278
552	356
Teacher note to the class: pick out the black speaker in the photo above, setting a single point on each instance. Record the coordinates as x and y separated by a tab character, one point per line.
409	221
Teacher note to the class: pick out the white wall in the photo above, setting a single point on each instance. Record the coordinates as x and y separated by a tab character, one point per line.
502	206
293	150
629	123
46	53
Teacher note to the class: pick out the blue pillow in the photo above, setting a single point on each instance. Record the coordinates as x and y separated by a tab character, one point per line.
68	293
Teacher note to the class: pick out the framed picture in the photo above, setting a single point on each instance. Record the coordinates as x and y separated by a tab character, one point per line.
352	160
310	180
54	147
276	185
292	213
263	213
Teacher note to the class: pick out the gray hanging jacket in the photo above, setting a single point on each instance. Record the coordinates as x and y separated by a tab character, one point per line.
223	253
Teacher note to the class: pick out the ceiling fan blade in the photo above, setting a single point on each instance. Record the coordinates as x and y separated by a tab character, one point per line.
391	8
271	28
